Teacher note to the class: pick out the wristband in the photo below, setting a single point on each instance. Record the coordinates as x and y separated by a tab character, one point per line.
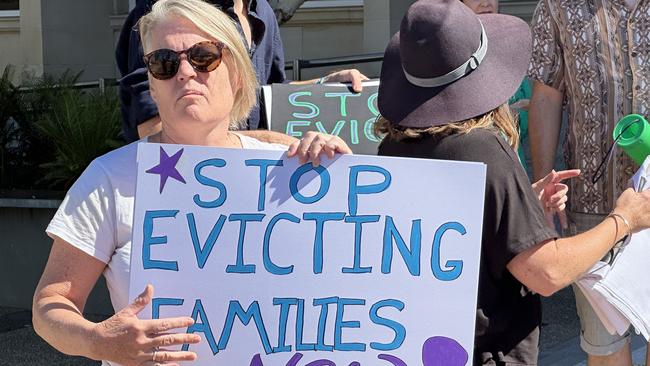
627	223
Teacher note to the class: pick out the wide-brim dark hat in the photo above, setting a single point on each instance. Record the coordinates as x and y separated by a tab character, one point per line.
447	64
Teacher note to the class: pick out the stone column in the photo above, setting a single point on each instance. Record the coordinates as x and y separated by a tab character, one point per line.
31	37
397	10
68	34
376	25
381	19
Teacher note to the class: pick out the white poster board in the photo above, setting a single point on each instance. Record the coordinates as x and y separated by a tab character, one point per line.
363	261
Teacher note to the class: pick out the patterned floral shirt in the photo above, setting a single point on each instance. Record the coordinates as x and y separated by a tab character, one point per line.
598	53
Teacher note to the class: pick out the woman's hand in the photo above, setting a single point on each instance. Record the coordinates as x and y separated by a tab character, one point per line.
127	340
635	207
353	76
553	195
315	143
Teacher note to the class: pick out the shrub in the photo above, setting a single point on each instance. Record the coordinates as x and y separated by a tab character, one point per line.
79	126
11	138
53	130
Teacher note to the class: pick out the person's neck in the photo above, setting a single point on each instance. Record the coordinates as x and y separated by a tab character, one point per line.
217	137
241	10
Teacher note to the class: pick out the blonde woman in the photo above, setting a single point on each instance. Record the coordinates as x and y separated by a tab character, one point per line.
203	83
259	29
445	83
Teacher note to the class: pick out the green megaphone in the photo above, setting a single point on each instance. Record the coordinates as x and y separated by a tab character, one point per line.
632	134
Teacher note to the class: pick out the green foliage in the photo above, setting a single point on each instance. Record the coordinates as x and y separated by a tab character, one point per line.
11	119
61	129
37	98
9	98
81	126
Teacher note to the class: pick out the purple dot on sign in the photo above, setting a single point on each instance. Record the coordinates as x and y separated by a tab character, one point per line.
354	363
443	351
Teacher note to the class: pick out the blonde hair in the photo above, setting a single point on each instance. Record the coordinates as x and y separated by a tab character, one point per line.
500	119
219	26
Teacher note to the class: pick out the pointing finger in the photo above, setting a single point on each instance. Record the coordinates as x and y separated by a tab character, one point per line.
566	174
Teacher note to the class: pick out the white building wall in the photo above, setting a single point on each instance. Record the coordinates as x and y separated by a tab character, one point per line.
52	36
10	43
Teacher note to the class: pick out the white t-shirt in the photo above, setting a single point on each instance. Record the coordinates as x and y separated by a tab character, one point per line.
96	215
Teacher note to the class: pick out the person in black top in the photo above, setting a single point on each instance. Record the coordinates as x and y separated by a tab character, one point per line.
260	33
445	83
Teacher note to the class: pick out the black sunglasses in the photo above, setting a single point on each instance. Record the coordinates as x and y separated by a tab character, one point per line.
204	56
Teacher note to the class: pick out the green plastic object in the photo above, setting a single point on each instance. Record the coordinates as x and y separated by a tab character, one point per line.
635	136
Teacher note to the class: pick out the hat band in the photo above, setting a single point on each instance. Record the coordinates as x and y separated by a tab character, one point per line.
472	63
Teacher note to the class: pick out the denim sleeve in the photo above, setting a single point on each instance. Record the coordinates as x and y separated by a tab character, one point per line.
136	103
277	67
135	100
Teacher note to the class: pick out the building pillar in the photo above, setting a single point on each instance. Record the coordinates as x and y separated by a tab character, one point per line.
67	35
78	38
31	37
376	25
397	10
381	19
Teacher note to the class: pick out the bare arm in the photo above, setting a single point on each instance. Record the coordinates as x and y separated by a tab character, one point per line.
314	144
544	120
270	136
550	266
344	76
59	300
57	310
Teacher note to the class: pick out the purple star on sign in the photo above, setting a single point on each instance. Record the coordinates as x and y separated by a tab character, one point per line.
167	168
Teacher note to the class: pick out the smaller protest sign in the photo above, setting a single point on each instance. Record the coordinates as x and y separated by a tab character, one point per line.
328	108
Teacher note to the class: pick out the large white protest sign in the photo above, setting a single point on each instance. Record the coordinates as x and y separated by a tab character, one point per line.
361	261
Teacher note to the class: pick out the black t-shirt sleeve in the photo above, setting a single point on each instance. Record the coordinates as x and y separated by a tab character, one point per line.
513	219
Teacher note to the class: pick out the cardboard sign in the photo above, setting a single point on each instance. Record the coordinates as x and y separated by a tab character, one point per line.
355	262
328	108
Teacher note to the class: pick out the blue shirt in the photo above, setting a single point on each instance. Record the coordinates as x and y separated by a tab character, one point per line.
266	52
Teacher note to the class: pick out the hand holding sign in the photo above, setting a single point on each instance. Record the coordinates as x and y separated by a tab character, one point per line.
348	76
127	340
314	143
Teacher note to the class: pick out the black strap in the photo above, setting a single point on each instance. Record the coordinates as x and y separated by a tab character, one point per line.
603	164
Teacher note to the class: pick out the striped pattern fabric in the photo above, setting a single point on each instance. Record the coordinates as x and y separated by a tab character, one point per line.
598	53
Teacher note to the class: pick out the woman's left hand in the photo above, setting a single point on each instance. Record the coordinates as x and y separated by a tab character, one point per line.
353	76
313	144
553	195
